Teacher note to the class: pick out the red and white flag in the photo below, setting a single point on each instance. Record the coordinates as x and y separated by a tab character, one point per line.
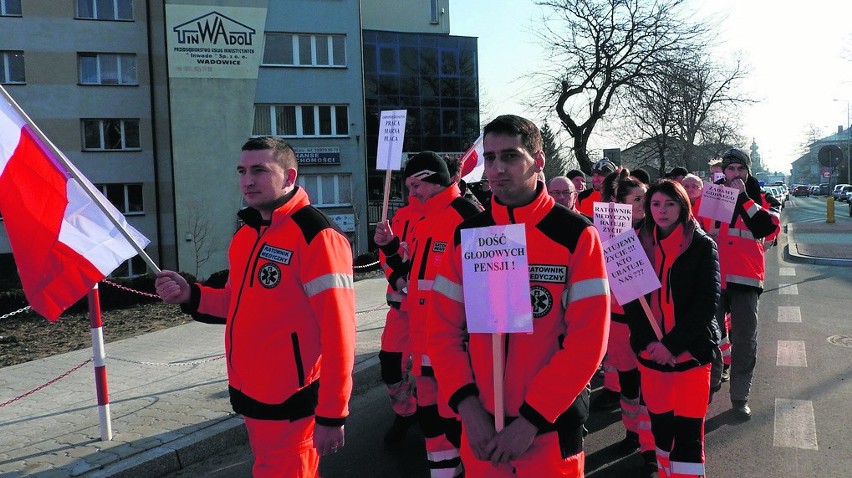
63	242
472	162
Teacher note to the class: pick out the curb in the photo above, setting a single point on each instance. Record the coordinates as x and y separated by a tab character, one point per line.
200	445
792	256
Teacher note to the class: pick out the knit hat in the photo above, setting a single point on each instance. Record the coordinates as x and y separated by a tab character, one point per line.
605	166
735	156
429	167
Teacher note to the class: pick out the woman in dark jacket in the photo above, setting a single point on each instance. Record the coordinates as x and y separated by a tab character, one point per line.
675	366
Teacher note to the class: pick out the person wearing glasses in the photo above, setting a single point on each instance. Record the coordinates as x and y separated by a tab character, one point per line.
562	190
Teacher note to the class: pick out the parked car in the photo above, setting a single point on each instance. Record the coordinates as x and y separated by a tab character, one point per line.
845	193
823	189
815	190
801	190
776	192
836	192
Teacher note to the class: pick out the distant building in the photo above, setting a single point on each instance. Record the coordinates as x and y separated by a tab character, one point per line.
807	169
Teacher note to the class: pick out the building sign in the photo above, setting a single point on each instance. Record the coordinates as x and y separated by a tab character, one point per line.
214	42
318	155
346	222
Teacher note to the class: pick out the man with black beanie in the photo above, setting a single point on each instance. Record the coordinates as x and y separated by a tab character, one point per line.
443	208
741	257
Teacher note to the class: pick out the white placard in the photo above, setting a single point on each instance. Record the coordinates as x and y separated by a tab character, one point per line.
718	202
612	219
496	278
630	272
391	134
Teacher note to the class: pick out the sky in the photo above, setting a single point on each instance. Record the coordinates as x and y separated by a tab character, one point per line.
799	55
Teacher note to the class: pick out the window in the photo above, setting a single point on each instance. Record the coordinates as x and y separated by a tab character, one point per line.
105	9
288	49
107	69
329	190
131	268
301	120
127	198
111	134
12	67
434	11
10	8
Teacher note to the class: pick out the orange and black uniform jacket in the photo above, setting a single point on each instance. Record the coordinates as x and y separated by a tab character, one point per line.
586	200
741	251
289	307
394	256
547	371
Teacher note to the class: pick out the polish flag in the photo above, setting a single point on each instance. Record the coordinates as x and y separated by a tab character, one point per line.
62	241
472	162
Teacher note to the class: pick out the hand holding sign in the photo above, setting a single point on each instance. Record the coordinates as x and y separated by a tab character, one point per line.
718	202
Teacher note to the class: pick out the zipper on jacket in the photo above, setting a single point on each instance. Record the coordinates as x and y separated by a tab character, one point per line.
254	264
239	296
422	272
297	353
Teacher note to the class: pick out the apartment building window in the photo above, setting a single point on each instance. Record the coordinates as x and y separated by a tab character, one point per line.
105	9
329	190
126	197
291	49
131	268
12	67
435	11
301	120
111	134
10	8
107	69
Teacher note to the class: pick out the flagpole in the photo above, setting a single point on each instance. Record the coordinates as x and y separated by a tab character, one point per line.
70	169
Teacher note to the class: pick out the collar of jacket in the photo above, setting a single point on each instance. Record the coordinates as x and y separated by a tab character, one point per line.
531	213
442	200
297	199
648	237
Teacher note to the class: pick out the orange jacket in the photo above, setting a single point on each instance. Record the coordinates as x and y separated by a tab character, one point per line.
398	250
741	252
290	308
442	213
586	200
547	370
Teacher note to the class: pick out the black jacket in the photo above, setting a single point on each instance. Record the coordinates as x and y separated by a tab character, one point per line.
695	286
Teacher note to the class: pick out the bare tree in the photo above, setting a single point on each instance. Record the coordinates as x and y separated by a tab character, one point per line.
197	225
601	48
555	163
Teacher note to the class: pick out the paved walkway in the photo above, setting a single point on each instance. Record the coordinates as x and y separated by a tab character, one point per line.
168	401
168	390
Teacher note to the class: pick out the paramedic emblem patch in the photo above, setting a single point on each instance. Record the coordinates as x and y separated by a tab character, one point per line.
542	301
269	275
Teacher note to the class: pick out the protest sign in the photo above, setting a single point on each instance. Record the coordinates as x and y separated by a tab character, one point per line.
495	271
389	152
631	274
718	202
612	219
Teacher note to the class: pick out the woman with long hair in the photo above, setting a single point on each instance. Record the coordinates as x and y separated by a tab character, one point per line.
675	366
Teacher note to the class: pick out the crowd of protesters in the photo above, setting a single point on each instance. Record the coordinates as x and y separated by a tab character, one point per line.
492	404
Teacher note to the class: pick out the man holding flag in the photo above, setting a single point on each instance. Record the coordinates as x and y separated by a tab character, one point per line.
289	315
546	394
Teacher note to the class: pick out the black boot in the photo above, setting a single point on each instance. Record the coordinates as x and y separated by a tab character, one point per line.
396	432
629	444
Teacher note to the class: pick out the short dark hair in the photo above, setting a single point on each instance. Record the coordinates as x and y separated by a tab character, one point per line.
513	125
285	155
642	176
677	171
453	164
575	173
675	191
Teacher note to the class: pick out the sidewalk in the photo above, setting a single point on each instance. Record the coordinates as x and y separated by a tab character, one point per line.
820	242
168	401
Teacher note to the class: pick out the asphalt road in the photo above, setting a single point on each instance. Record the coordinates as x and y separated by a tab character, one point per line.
800	397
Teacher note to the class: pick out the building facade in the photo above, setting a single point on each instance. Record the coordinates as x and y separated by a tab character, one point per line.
152	99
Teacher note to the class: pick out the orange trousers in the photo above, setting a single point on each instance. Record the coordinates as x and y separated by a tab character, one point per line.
283	448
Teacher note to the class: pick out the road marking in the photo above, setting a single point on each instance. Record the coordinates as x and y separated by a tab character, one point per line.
787	271
791	353
788	289
790	314
795	426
